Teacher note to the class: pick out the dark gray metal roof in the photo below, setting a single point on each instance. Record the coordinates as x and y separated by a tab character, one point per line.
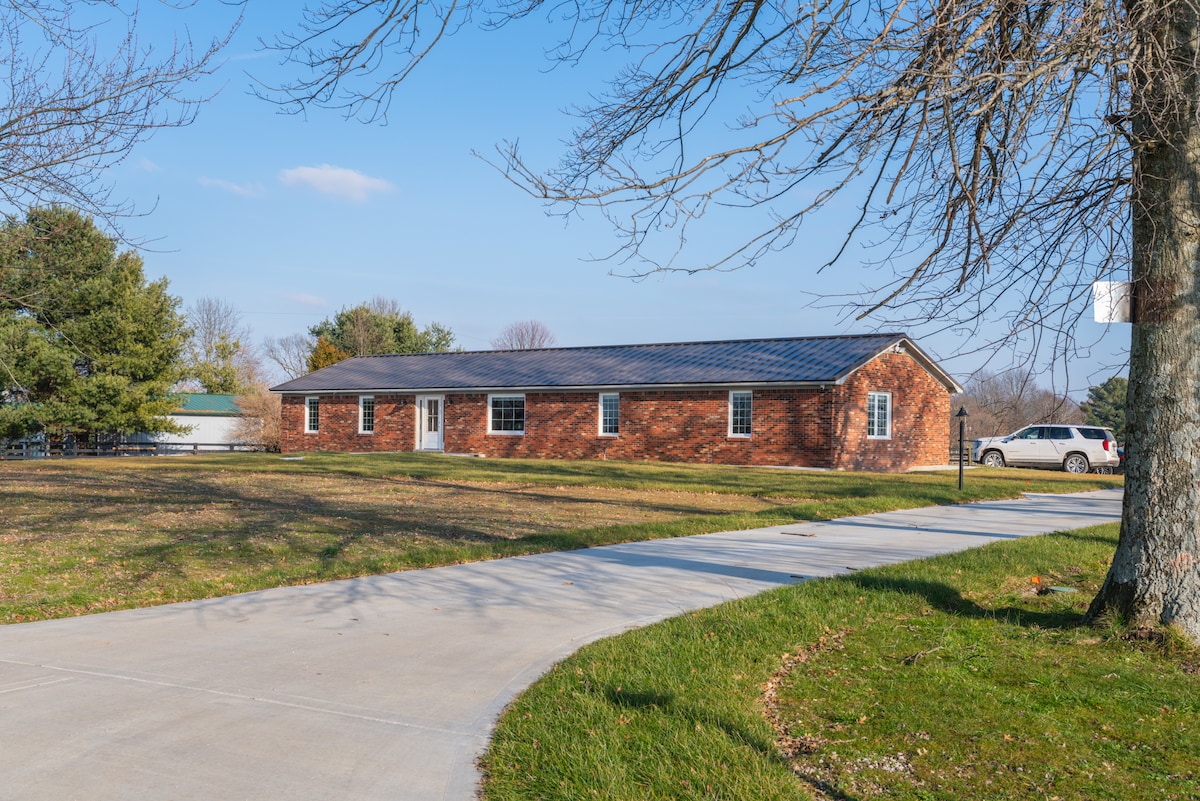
802	360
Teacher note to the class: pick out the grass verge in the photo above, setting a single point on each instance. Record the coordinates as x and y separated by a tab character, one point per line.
96	535
946	678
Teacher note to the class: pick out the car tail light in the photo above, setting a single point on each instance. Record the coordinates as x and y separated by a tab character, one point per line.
1106	445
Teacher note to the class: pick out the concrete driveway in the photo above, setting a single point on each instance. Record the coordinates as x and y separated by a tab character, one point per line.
387	687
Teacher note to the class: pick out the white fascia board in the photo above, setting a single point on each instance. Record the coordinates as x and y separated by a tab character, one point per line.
576	388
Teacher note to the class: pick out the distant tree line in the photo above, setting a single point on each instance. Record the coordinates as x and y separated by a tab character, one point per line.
1001	403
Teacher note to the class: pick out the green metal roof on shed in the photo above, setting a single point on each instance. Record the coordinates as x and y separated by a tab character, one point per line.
207	404
757	362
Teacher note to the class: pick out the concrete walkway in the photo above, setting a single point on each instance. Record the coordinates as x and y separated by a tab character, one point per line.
387	687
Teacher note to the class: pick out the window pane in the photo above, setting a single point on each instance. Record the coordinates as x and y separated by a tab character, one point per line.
314	418
508	414
610	415
740	422
367	406
879	412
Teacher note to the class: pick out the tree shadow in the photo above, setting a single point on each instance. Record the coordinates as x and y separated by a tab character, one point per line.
945	598
668	704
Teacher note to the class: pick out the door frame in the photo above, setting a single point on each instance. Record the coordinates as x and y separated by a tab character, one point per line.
422	421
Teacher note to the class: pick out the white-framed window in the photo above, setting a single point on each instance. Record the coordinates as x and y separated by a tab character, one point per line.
506	414
366	414
879	415
312	415
610	414
741	419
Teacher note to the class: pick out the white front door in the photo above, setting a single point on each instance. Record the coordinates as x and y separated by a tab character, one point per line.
429	422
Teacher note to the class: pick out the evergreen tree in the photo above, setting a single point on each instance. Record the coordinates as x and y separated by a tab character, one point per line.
87	346
1105	405
380	326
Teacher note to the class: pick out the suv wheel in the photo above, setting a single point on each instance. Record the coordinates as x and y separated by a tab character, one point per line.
1076	463
993	459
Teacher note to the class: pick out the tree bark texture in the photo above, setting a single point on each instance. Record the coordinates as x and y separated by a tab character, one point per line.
1155	575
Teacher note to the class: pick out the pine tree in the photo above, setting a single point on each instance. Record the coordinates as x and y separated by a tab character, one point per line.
87	345
1105	405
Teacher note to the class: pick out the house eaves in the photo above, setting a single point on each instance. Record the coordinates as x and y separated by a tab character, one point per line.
559	388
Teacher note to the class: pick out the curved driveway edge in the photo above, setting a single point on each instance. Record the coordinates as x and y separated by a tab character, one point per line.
387	687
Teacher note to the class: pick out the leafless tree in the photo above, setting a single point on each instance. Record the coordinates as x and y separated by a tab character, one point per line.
260	418
78	89
1000	403
220	356
290	353
1001	157
525	335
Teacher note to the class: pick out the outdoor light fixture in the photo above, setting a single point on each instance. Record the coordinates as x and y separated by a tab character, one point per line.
962	424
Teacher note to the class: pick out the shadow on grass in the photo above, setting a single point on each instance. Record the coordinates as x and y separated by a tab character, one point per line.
826	790
666	703
946	598
637	699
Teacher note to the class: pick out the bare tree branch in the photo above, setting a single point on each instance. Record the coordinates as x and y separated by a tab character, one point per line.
290	353
524	335
76	96
998	157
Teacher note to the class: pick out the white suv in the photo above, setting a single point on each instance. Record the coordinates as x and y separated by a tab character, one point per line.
1071	447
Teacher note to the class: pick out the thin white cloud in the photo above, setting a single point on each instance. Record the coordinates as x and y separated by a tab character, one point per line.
146	165
242	190
336	181
306	300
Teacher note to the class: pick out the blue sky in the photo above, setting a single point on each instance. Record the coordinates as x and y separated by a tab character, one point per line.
290	218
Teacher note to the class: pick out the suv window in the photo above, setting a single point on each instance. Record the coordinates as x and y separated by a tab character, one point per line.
1060	432
1033	432
1094	433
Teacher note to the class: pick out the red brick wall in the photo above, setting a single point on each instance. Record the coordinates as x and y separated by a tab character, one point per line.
805	427
668	425
395	425
920	408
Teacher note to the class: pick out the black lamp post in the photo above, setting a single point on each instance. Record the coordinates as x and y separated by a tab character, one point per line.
962	420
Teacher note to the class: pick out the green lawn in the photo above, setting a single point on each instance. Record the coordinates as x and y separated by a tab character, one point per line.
94	535
946	678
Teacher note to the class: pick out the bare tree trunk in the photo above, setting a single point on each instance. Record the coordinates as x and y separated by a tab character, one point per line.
1155	575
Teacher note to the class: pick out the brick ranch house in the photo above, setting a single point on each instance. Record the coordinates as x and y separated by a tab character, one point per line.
869	402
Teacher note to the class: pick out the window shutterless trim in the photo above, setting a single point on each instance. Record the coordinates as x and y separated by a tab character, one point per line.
366	414
610	419
741	414
512	417
312	414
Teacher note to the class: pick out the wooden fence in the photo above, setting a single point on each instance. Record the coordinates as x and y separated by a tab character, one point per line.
48	451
